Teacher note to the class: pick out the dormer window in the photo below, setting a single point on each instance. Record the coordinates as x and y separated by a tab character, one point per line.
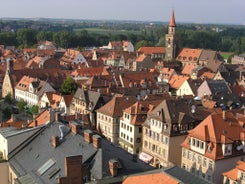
227	149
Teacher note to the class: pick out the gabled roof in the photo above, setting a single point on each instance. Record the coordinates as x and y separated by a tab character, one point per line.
41	119
177	80
151	50
189	55
187	70
218	129
113	109
218	86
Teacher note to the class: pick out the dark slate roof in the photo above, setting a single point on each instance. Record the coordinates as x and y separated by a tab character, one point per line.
90	97
184	176
36	153
218	86
100	163
231	77
176	111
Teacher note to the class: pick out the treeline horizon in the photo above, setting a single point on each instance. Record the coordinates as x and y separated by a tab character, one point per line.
24	34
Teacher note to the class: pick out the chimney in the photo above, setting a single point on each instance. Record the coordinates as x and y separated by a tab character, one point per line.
113	167
74	126
224	115
88	136
57	117
73	170
96	141
55	141
35	123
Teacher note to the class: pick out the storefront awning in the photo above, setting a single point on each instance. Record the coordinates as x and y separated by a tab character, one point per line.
145	157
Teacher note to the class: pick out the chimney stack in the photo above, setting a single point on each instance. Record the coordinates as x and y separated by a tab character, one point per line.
113	166
35	123
73	170
74	127
57	117
224	115
96	141
88	136
55	141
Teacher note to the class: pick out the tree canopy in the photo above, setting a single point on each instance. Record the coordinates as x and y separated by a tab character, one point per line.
69	86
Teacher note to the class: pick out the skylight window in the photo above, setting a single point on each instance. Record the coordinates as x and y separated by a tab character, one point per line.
47	165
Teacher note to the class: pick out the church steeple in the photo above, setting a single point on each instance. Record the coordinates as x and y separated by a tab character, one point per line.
172	20
170	40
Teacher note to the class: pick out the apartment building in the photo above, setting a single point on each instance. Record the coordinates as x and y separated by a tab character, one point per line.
213	147
165	129
130	131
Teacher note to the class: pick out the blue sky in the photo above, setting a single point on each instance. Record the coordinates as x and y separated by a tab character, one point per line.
196	11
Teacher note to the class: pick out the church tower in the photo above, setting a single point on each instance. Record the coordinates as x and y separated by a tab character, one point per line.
170	40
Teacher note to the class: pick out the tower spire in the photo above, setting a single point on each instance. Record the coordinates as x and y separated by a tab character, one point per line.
172	20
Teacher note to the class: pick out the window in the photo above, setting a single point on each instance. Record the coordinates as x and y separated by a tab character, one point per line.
204	162
138	140
131	139
140	129
199	159
193	142
130	129
145	144
184	153
166	140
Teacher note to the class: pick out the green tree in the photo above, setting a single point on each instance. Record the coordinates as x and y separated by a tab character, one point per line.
21	105
8	99
34	109
26	37
6	113
69	86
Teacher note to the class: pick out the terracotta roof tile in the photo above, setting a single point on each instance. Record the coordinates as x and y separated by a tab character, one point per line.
217	130
189	55
177	80
151	50
41	119
156	178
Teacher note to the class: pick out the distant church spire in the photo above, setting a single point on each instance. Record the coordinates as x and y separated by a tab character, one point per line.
170	40
172	20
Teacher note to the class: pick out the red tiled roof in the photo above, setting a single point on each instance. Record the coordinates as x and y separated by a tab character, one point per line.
217	130
177	80
156	178
41	119
187	70
189	55
152	50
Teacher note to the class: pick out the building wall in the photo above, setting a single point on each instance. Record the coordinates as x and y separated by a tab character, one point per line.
4	173
206	168
156	144
7	86
175	150
109	127
3	146
203	90
184	90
